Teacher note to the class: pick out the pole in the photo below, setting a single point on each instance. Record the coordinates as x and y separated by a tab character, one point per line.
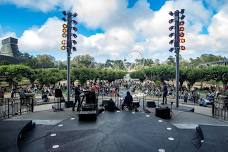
177	50
69	46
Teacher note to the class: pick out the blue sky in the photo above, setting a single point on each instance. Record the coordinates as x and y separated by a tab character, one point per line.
117	28
18	19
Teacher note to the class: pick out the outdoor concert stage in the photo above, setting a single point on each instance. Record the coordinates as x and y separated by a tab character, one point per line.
121	131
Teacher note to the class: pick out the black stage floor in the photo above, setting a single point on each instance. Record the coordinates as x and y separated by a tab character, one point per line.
10	134
113	132
118	132
214	138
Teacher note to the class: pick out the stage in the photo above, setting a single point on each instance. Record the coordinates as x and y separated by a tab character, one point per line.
120	131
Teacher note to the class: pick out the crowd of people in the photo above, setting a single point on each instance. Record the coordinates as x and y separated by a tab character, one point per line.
106	88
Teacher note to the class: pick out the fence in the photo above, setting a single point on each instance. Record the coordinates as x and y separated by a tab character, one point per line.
220	108
15	106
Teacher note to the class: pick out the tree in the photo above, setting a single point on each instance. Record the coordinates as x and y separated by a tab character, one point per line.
45	61
170	60
83	61
204	58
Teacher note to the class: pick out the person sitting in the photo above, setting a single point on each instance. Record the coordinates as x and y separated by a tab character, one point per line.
128	101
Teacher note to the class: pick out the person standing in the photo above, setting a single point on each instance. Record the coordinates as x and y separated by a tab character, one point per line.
1	93
77	98
128	101
165	93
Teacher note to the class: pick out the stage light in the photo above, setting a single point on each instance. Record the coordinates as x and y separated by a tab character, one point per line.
63	48
75	22
171	49
64	25
171	42
74	49
181	23
182	40
181	29
64	30
64	13
182	47
63	42
75	15
182	11
181	34
171	28
75	35
75	42
75	29
171	21
182	17
64	35
171	13
171	35
64	19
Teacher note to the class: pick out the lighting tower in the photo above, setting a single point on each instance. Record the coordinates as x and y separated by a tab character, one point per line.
178	34
68	43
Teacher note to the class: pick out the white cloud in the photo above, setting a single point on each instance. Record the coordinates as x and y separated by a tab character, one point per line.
44	38
130	29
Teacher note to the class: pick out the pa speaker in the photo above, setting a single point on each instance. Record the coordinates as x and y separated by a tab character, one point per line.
151	104
58	93
163	113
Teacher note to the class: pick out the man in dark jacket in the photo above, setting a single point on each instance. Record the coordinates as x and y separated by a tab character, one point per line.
128	101
77	98
165	93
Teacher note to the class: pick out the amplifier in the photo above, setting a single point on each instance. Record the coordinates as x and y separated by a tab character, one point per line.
151	104
163	113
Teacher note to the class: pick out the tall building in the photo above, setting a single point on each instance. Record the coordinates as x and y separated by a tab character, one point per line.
9	52
10	47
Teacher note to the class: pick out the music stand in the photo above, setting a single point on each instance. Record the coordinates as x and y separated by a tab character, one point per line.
58	95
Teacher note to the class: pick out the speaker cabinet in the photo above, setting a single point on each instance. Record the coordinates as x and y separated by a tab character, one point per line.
151	104
163	113
58	93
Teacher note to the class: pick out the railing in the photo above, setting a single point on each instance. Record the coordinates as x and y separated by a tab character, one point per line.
220	110
15	106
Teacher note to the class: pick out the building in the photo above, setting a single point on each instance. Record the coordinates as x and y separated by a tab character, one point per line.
9	52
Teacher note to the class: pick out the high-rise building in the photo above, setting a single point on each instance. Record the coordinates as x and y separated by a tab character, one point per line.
10	47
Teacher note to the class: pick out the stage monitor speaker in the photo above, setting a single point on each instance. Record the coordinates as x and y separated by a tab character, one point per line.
163	113
58	93
109	105
151	104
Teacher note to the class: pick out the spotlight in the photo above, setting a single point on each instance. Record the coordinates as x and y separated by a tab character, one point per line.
75	35
171	35
75	29
171	13
75	42
182	40
75	22
181	23
171	42
181	34
182	17
64	26
64	13
64	19
171	49
74	49
181	29
171	21
75	15
182	47
171	28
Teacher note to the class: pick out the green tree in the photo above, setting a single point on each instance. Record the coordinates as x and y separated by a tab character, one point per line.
83	61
